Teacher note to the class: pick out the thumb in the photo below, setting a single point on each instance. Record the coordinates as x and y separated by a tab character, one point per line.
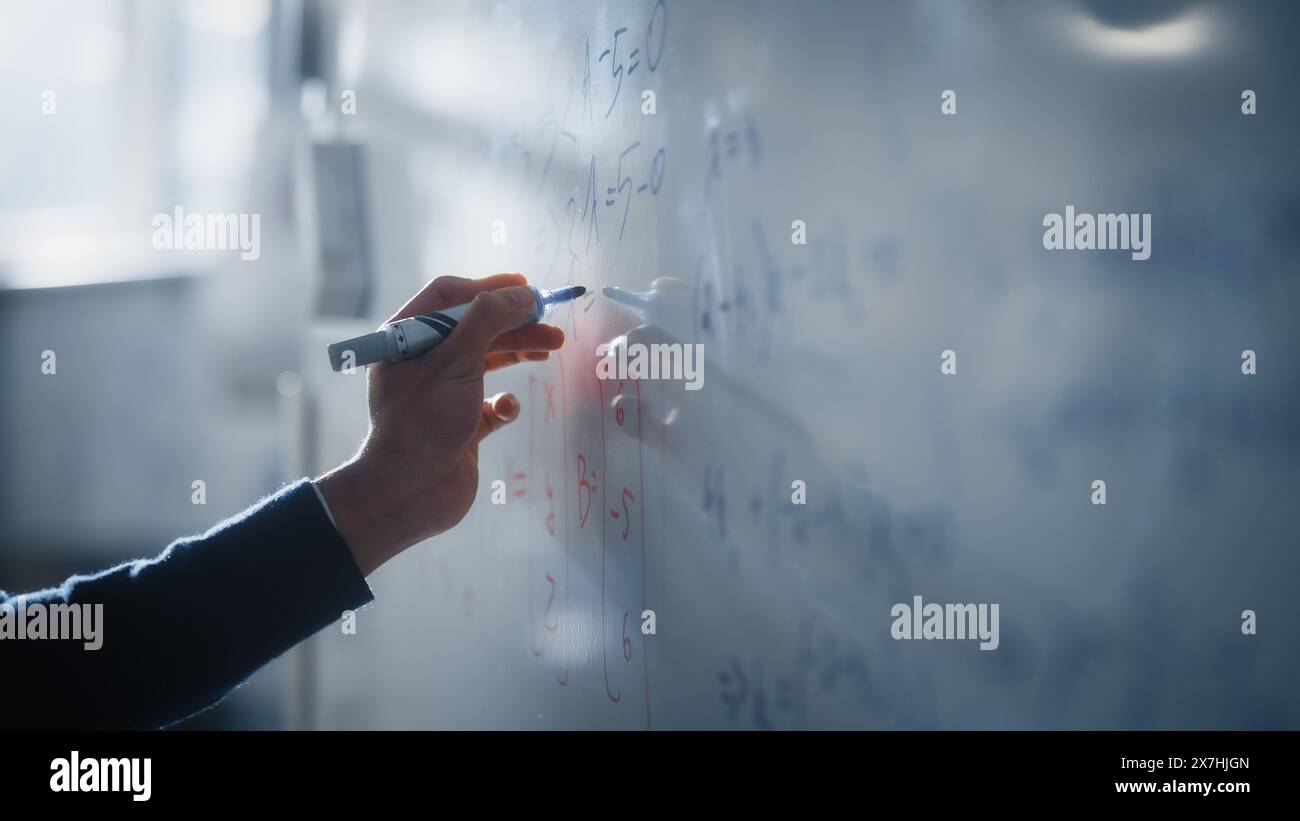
491	314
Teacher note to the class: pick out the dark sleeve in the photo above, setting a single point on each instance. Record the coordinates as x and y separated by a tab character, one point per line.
179	631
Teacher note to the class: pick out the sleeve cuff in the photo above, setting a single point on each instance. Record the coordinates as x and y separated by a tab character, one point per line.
324	504
319	553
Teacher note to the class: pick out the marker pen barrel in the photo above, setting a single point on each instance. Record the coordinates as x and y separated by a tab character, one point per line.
410	337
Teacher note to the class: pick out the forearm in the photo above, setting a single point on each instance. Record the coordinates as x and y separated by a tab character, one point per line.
369	510
181	630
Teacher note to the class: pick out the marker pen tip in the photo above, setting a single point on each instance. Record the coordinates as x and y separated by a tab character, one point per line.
568	294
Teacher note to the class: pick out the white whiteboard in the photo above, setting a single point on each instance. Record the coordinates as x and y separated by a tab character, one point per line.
822	365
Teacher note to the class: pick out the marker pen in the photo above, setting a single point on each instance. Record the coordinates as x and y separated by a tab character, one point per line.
410	337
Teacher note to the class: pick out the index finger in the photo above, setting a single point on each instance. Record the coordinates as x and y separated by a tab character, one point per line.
448	291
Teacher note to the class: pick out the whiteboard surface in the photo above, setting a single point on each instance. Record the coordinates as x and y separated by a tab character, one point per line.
822	365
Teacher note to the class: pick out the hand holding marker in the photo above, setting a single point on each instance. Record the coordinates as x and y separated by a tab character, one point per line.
410	337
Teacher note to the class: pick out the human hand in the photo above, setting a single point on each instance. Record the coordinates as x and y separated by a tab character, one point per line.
416	473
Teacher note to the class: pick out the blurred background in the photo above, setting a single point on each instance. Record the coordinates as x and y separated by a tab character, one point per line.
925	235
167	362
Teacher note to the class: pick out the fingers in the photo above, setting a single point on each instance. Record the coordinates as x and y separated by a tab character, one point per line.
498	411
491	314
446	291
530	338
504	359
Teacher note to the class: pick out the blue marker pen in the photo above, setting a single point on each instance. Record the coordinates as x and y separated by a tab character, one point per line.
410	337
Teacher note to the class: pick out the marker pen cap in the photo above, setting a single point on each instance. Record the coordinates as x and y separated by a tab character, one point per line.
367	349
